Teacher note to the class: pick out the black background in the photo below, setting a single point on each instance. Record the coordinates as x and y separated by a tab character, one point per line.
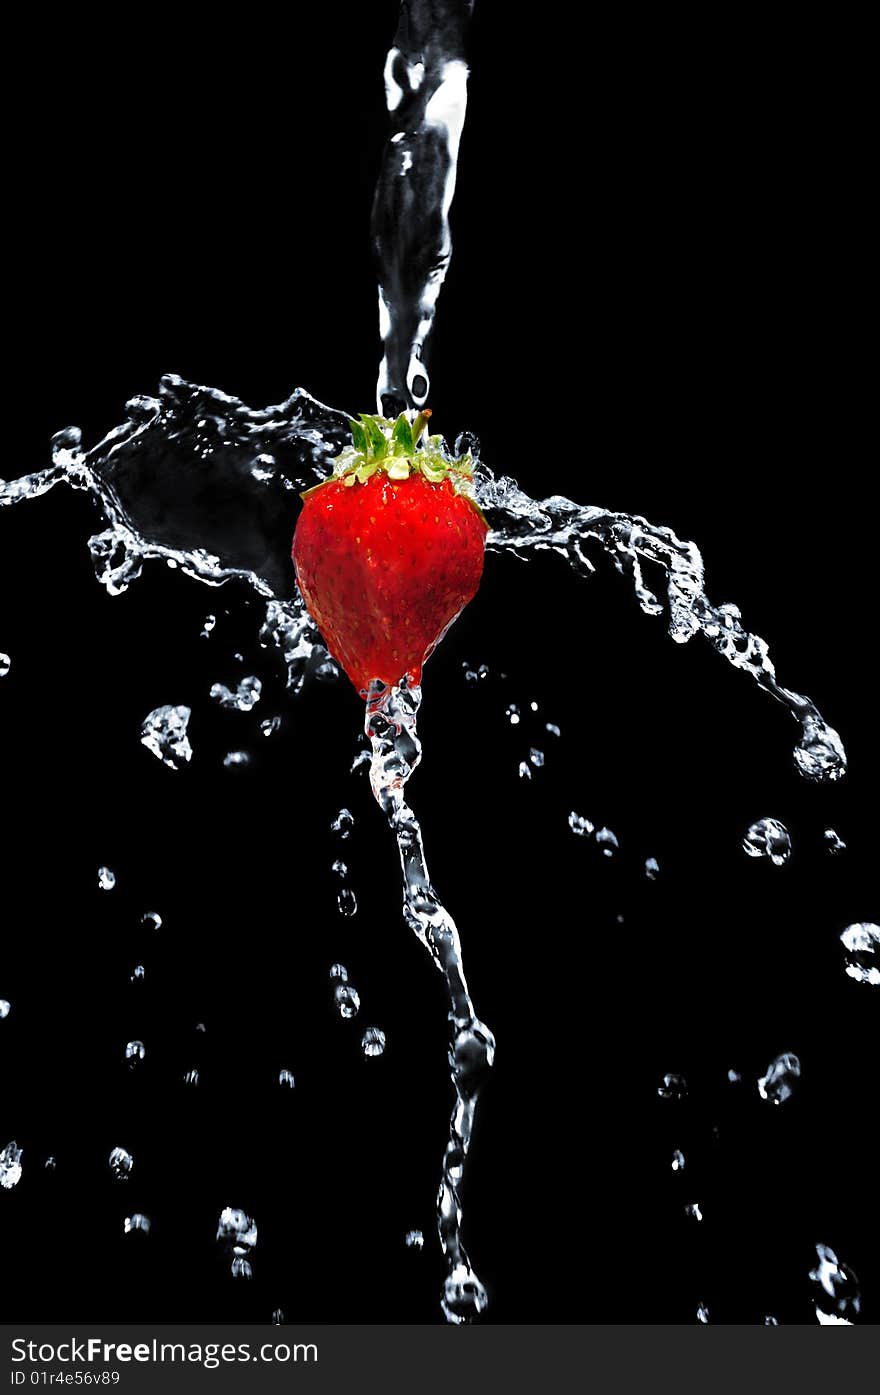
657	303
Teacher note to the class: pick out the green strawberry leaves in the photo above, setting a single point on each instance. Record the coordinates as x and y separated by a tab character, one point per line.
400	448
402	436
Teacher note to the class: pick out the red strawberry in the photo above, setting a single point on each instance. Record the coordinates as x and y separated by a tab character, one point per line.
389	550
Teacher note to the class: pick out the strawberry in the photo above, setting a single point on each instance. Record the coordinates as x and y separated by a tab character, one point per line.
389	550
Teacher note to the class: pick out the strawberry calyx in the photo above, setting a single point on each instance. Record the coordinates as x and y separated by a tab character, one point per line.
400	449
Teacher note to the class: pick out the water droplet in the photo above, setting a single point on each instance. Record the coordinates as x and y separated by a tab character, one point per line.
735	1077
346	901
702	1313
524	771
50	1164
285	1078
5	1008
552	728
10	1165
362	758
237	1231
236	760
106	879
5	665
677	1161
327	672
121	1163
819	755
200	1027
835	843
340	868
536	757
415	1240
164	733
347	1000
209	622
151	920
652	869
862	943
607	841
137	1222
343	823
245	696
464	1297
270	725
782	1076
139	974
135	1052
533	706
674	1087
768	838
340	972
839	1285
771	1321
512	714
277	1318
263	468
242	1268
693	1210
580	825
191	1077
373	1043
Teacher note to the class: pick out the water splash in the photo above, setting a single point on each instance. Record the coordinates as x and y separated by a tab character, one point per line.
523	526
138	1223
5	665
150	477
5	1008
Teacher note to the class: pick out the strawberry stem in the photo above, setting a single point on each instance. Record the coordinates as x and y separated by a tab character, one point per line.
420	423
